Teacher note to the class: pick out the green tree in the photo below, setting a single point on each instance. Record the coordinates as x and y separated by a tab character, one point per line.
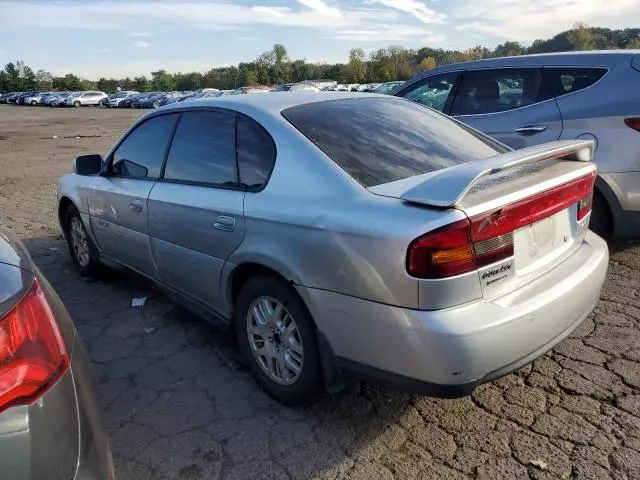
427	63
162	81
14	80
634	44
44	80
582	37
141	84
69	82
357	65
509	49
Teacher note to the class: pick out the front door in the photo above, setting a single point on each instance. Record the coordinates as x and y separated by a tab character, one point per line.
512	105
118	199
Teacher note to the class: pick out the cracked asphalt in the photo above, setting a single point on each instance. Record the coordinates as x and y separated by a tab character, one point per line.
180	405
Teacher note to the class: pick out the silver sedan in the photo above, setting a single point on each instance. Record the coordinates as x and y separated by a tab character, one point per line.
341	233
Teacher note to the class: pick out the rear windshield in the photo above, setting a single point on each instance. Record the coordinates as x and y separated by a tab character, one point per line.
380	140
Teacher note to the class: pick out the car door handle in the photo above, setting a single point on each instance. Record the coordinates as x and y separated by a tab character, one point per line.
531	129
226	224
135	206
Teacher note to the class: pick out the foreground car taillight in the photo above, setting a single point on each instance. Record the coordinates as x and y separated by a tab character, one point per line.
487	238
32	352
633	123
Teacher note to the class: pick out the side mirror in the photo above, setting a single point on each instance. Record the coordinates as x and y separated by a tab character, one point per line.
88	164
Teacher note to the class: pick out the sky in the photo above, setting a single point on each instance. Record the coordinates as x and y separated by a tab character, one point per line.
119	38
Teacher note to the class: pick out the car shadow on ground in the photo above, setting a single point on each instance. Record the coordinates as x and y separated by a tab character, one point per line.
179	400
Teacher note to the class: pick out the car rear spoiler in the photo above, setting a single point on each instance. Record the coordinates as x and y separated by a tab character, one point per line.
447	187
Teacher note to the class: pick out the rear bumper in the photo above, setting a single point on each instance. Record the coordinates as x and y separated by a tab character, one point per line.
448	352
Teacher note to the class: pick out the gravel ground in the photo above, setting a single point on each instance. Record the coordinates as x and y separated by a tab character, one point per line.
179	404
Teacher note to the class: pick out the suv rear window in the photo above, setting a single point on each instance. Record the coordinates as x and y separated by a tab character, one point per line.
380	140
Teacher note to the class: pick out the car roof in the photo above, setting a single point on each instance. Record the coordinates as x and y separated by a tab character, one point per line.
270	102
577	59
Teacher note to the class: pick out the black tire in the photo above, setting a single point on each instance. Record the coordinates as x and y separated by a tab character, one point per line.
34	103
93	266
76	104
601	219
307	384
156	105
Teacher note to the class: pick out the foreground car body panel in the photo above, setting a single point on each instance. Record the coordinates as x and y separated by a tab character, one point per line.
344	248
60	436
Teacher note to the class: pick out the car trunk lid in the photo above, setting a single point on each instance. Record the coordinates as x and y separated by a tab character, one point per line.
527	210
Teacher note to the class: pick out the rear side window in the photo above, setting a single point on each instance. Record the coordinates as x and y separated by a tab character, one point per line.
256	154
140	155
498	90
380	140
561	81
204	149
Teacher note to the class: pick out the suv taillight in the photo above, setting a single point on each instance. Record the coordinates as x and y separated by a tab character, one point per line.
633	123
487	238
32	352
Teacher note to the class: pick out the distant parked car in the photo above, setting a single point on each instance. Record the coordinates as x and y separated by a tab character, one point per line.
82	99
4	97
251	89
60	99
128	100
116	99
167	99
285	87
20	99
387	88
348	233
12	97
532	99
37	98
50	421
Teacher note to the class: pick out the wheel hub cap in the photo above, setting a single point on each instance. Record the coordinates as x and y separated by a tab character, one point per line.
79	242
275	340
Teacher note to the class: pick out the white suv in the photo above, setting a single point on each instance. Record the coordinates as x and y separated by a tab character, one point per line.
85	98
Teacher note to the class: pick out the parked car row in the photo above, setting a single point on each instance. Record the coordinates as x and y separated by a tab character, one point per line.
54	99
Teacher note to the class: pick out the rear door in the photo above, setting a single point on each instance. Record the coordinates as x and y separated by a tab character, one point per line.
512	105
196	211
118	200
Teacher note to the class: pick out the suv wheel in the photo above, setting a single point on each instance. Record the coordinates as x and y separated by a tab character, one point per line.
76	104
34	103
601	219
276	336
83	252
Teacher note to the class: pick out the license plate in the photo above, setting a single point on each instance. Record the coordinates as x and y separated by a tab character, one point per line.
540	242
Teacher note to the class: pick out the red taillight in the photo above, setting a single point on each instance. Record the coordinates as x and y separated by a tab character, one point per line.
32	352
442	253
633	123
488	238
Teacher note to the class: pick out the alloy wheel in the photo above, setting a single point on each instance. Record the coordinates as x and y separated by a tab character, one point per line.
275	340
79	242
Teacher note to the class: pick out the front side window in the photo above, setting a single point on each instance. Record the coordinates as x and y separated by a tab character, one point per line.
563	80
140	155
380	140
433	92
498	90
204	149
